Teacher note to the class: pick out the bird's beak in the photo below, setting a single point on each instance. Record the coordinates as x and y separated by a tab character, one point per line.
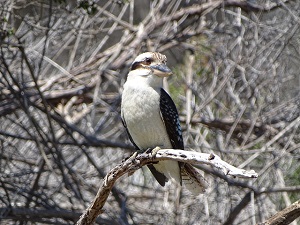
161	70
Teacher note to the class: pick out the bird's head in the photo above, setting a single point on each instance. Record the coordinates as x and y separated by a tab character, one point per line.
150	63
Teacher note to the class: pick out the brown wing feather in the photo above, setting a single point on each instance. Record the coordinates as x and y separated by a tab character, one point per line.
193	180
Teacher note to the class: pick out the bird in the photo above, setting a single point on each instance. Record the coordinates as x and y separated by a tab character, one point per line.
151	120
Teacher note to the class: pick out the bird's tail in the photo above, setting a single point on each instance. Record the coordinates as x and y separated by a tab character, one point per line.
193	180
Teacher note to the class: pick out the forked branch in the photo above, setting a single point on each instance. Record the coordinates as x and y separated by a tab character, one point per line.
136	161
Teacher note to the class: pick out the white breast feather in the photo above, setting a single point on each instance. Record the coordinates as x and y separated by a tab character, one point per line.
141	112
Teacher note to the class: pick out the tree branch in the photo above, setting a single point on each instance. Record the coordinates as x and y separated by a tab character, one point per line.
31	214
137	161
286	216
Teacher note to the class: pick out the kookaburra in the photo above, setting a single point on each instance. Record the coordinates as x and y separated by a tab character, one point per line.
151	119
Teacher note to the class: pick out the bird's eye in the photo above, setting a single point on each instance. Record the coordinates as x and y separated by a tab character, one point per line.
148	61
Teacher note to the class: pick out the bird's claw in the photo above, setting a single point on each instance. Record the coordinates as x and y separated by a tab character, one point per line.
148	150
133	156
131	159
154	151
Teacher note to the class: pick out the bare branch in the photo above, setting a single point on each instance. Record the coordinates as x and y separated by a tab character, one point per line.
40	214
286	216
137	161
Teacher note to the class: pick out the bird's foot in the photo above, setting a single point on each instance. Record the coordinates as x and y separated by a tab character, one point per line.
154	151
133	156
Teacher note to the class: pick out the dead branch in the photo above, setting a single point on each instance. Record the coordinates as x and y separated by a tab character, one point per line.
137	161
40	214
285	216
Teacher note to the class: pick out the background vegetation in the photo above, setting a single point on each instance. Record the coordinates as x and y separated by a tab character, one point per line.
236	85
